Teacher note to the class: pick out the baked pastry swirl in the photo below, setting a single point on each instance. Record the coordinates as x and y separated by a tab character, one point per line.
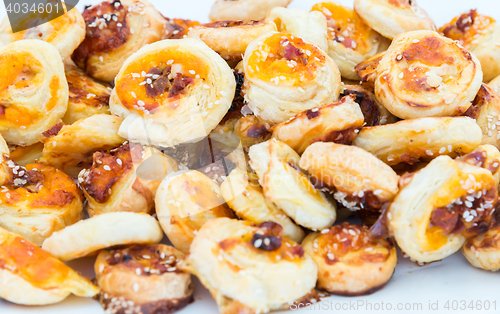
250	268
424	74
349	261
483	250
367	70
171	92
487	157
142	279
33	92
31	276
246	10
115	30
285	75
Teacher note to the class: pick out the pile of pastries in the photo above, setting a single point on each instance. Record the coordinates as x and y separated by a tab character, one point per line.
247	141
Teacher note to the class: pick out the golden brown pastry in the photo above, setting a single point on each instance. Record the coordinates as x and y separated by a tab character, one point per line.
393	17
487	157
285	75
424	74
115	30
31	276
495	84
142	279
483	250
24	155
178	28
251	130
338	122
250	268
246	10
33	90
367	70
349	261
179	95
410	141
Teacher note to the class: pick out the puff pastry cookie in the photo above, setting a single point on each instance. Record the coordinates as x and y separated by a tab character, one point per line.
367	70
245	10
178	28
483	250
487	157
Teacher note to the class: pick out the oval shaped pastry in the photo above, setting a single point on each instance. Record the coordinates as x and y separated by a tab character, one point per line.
70	147
230	39
65	33
250	268
350	40
349	261
33	90
185	201
393	17
357	179
246	198
31	276
245	10
176	96
337	122
103	231
284	184
440	206
409	141
483	250
285	75
424	74
479	34
142	279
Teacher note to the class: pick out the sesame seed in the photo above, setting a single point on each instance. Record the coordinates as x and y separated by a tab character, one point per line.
106	167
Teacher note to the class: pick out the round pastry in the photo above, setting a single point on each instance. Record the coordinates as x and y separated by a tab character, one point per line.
358	180
349	261
350	40
285	75
65	33
393	17
487	157
33	92
31	276
142	279
86	96
374	113
230	39
410	141
495	84
176	96
424	74
177	28
24	155
367	70
250	268
338	122
483	251
185	201
440	206
479	34
246	198
70	147
124	180
276	165
310	26
115	30
103	231
245	10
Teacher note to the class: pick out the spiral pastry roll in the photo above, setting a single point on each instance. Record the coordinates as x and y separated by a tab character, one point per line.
31	276
479	34
230	39
70	147
487	157
440	206
349	261
185	201
65	32
24	155
483	250
178	28
426	75
33	90
124	179
393	17
285	75
358	180
246	10
284	184
367	70
350	40
115	30
107	230
410	141
143	277
250	268
246	198
171	92
86	96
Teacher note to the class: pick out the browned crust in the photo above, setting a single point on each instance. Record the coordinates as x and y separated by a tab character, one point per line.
177	28
145	192
366	102
483	97
80	86
221	24
367	71
359	293
53	131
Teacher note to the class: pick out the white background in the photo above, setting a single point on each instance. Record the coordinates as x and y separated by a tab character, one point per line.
449	280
